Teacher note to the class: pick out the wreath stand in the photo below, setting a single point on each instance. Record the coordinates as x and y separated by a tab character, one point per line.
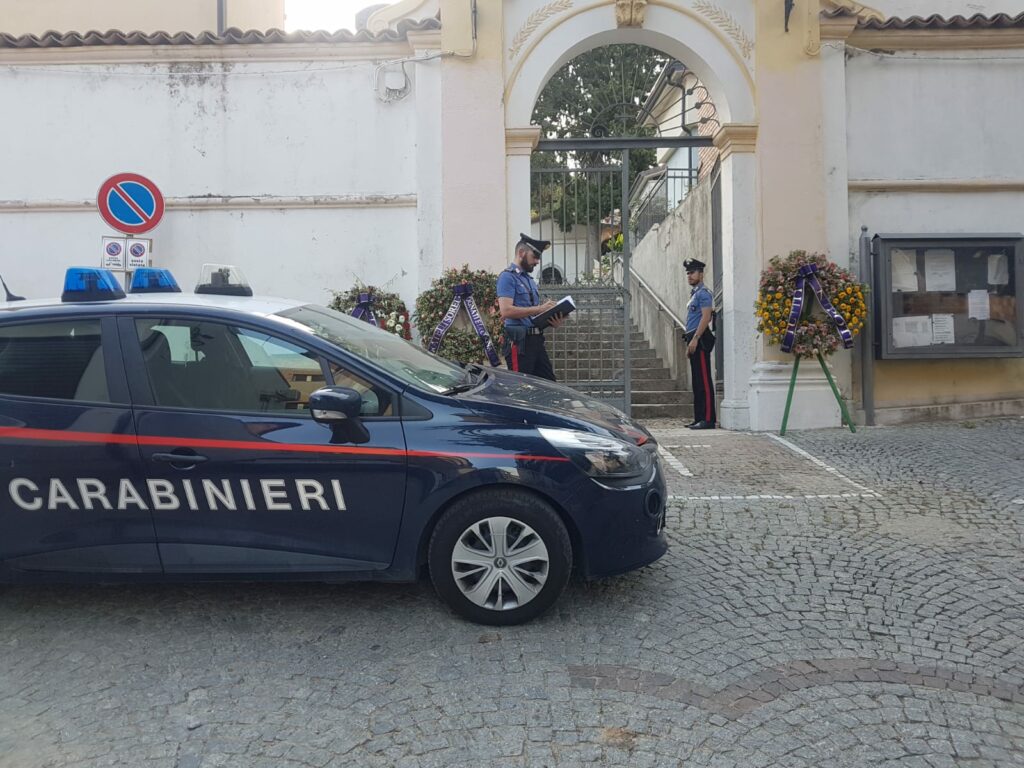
807	278
835	391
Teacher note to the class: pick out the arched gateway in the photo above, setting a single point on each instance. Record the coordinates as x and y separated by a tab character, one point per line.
715	41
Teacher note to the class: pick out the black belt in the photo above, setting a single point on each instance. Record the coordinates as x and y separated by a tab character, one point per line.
534	331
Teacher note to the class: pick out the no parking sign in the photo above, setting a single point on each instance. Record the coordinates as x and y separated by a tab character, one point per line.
130	203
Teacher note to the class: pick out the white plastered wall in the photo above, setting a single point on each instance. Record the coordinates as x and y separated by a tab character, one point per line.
293	170
934	142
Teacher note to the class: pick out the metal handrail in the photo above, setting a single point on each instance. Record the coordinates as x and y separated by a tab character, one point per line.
661	304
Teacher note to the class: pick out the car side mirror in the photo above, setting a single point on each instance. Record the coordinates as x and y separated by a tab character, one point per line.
334	405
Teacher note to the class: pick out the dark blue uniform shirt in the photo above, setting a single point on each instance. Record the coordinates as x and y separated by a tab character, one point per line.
515	284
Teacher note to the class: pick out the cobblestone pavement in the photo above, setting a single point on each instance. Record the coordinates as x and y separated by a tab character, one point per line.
829	600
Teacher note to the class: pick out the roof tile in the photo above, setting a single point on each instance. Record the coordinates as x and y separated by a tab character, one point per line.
231	36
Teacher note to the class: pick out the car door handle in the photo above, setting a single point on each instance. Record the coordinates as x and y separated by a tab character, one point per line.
180	459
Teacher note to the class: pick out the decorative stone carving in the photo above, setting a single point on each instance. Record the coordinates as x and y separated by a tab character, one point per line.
533	21
630	13
727	24
857	9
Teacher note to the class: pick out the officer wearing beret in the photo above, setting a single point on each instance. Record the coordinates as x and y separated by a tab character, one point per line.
700	342
518	301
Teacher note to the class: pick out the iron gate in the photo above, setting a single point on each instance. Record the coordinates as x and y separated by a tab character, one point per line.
583	208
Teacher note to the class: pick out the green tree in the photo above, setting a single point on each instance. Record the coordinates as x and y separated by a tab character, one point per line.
598	94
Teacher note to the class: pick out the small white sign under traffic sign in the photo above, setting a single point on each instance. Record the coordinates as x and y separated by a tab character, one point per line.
138	250
113	253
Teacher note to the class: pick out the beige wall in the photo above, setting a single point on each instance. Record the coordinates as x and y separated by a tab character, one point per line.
789	139
473	138
20	17
900	383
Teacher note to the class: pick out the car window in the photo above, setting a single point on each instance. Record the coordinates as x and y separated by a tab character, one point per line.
212	366
376	401
402	359
61	360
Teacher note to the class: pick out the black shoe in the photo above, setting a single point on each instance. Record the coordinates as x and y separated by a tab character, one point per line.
692	424
703	425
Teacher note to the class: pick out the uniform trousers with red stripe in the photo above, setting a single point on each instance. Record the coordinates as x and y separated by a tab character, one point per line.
532	358
703	386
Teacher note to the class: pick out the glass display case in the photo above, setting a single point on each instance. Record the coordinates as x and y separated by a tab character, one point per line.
941	296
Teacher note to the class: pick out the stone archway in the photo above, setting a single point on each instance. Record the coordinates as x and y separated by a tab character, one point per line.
543	37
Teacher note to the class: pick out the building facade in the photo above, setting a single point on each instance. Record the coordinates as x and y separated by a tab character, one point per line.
314	160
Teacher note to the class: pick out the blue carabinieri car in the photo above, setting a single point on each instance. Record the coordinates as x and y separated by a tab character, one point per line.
217	435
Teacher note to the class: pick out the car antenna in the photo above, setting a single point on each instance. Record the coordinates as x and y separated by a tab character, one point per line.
10	296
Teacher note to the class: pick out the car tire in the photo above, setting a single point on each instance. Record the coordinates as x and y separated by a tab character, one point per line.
500	557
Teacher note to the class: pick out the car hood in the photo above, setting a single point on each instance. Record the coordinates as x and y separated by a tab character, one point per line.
546	403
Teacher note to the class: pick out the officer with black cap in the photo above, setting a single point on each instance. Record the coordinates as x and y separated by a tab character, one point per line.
700	342
518	301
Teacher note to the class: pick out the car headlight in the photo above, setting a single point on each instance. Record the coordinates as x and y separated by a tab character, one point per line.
598	455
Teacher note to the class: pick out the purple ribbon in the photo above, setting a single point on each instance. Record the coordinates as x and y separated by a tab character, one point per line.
364	309
464	295
807	275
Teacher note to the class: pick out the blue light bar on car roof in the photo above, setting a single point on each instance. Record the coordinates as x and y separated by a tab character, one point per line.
149	280
90	284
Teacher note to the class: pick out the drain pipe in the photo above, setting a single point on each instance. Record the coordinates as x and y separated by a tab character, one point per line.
222	16
867	343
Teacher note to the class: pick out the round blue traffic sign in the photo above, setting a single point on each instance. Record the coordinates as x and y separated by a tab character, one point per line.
130	203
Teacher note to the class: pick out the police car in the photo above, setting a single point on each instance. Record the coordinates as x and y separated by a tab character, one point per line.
217	435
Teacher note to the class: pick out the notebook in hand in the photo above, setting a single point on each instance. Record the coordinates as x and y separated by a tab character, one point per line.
563	308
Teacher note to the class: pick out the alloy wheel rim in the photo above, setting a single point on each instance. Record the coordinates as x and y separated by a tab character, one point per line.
500	563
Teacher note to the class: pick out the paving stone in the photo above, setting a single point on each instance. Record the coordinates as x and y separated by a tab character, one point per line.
861	610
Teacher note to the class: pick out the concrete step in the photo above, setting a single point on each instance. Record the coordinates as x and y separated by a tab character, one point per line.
595	339
636	351
583	375
661	411
662	397
604	347
657	385
602	367
585	329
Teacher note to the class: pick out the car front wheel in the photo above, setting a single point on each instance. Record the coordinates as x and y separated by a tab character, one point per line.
500	557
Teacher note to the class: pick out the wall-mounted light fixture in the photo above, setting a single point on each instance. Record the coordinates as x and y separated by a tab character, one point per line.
789	10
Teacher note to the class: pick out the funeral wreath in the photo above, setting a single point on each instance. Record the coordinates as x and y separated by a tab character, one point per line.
388	308
461	342
807	304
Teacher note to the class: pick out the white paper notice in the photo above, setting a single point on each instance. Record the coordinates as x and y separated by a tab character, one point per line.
977	305
998	269
939	269
915	331
942	329
904	270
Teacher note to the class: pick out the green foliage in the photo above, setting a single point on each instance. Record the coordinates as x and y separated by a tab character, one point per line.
598	94
460	345
389	309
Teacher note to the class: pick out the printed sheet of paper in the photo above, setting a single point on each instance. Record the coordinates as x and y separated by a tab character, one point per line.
998	269
914	331
978	305
942	329
939	269
904	270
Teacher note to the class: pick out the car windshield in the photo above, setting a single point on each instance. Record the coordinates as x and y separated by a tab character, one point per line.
408	362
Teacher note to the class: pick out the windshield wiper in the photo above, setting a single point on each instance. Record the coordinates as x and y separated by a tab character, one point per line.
469	382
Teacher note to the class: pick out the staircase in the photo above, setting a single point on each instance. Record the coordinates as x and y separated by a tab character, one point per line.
585	351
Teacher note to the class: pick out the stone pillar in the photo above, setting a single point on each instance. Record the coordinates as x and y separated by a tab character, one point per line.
741	263
519	145
472	135
834	32
840	236
429	208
